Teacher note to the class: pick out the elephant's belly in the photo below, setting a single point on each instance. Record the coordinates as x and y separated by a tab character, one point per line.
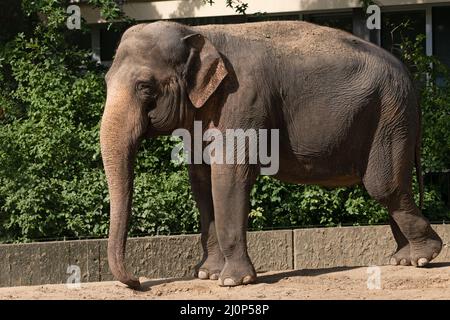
326	181
324	172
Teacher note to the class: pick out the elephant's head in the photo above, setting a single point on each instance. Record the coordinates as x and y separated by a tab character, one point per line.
161	74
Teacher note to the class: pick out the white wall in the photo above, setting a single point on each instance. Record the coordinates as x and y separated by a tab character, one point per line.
154	10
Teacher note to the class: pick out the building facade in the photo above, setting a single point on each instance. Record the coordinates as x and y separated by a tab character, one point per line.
399	19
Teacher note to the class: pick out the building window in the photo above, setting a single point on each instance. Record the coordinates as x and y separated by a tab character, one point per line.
79	38
211	20
343	21
109	40
237	19
272	17
399	26
441	34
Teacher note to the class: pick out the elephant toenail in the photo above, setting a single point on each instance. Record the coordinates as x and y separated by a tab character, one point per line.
393	262
203	275
403	262
434	255
214	276
229	282
422	262
248	279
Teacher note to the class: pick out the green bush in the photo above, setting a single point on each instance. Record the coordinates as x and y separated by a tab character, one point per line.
52	183
276	204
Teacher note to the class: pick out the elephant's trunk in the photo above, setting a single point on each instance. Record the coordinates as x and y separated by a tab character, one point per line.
120	133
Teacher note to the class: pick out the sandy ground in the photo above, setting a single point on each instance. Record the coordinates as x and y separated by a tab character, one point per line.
334	283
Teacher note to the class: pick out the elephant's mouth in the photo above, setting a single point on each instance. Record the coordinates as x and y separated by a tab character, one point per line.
155	131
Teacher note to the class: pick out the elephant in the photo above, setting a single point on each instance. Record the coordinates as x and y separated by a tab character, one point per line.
346	110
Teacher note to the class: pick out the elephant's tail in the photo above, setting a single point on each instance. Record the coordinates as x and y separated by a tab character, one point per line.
418	165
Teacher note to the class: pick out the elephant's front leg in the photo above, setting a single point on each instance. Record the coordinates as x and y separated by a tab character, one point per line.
213	260
231	195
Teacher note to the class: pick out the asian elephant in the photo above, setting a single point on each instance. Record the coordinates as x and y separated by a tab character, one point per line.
346	110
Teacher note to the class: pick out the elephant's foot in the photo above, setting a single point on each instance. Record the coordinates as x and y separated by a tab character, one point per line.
401	256
237	273
419	252
211	268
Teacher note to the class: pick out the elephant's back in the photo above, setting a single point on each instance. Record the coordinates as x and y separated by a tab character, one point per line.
293	37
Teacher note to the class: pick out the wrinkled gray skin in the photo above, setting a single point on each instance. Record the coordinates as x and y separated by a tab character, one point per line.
346	111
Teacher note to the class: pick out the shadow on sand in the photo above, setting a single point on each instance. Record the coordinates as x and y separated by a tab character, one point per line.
274	278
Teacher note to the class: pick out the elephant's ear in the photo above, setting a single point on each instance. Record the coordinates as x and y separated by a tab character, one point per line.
204	69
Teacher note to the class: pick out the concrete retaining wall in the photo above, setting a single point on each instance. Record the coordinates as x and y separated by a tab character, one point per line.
176	256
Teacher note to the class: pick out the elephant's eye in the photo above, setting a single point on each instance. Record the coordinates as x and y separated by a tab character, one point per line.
148	89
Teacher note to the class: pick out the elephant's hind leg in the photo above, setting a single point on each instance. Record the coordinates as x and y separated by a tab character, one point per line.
402	253
424	244
388	179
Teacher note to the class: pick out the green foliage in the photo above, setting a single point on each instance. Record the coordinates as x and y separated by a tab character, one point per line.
51	178
276	204
109	10
163	204
433	76
433	79
52	183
